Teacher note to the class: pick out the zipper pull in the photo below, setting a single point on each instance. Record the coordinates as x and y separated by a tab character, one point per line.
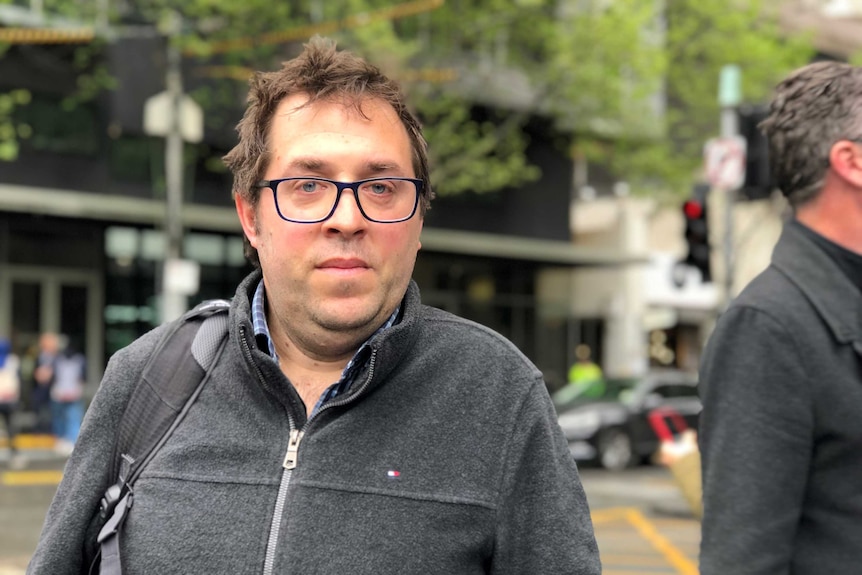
292	448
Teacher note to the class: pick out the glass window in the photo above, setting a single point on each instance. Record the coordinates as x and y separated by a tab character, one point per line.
205	248
121	242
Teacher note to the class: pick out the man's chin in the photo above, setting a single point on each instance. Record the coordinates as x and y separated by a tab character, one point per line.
346	315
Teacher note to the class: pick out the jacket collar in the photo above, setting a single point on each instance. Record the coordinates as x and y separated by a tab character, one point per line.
823	282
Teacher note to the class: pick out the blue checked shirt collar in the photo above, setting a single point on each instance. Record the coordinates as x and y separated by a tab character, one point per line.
351	370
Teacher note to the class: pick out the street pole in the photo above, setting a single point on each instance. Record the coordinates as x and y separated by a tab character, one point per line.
729	98
174	116
173	303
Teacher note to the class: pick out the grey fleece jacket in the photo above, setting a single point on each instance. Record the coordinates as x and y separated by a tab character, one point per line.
444	457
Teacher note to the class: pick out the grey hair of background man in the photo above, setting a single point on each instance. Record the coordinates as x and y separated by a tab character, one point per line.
812	109
323	74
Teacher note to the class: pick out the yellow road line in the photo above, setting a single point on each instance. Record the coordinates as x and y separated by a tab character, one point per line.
609	560
31	441
19	478
612	514
648	531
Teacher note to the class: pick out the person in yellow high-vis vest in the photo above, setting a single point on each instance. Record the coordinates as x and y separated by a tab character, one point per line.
585	375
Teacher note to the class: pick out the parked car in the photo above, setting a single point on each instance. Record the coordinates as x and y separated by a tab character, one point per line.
614	429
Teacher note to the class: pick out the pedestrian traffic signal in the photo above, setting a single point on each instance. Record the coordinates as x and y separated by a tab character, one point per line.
694	210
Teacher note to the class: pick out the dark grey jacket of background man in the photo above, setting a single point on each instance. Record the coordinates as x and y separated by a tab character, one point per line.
784	369
448	461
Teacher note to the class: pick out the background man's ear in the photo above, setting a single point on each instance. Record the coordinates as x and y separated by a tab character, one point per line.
845	157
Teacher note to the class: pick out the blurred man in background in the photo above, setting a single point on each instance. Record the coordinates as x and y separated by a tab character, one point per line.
781	377
43	380
67	397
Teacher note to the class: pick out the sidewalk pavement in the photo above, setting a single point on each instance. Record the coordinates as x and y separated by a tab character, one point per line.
649	487
33	447
37	453
13	566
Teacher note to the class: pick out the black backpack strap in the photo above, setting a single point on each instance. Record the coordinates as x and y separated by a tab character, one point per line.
170	383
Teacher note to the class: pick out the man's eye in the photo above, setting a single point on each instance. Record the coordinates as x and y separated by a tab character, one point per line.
309	186
378	188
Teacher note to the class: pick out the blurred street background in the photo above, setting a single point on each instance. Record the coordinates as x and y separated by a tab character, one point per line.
602	194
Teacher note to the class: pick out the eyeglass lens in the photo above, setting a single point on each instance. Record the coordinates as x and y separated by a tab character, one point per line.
310	199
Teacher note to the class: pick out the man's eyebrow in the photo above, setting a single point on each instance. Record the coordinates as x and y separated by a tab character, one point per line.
378	167
315	164
307	163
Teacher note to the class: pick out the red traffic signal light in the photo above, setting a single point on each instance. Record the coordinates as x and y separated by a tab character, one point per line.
697	231
693	209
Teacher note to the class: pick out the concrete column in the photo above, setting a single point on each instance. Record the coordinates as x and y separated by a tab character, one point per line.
625	346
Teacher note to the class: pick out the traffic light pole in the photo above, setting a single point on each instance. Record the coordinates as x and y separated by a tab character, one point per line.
729	128
729	98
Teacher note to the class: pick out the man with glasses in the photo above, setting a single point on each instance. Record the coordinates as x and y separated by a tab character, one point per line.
346	428
781	377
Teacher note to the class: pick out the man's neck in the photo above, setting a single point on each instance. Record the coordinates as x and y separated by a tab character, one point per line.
309	374
835	214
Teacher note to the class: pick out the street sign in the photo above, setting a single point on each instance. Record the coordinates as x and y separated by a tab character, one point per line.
159	117
724	162
181	276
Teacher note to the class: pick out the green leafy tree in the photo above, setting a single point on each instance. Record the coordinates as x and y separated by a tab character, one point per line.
12	131
630	84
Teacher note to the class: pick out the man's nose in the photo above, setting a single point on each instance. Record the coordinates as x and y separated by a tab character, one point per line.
347	215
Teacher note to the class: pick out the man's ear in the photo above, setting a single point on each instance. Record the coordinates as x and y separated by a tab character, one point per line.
845	158
247	218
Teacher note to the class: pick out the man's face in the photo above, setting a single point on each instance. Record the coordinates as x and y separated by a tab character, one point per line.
49	343
345	275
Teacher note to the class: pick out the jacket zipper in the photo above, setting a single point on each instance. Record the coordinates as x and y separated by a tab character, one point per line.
293	445
292	448
345	400
291	457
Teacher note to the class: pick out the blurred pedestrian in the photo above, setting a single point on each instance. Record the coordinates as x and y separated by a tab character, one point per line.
346	428
585	375
781	376
10	391
43	379
67	393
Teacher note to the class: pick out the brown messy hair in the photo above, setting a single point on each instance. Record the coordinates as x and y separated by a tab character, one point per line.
323	74
816	106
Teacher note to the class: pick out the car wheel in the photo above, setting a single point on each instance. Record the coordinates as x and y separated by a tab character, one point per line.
615	450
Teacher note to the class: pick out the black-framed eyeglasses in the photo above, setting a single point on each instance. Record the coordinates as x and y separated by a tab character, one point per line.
314	200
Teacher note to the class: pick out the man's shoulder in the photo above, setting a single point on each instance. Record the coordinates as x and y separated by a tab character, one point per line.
770	291
456	326
469	337
771	305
